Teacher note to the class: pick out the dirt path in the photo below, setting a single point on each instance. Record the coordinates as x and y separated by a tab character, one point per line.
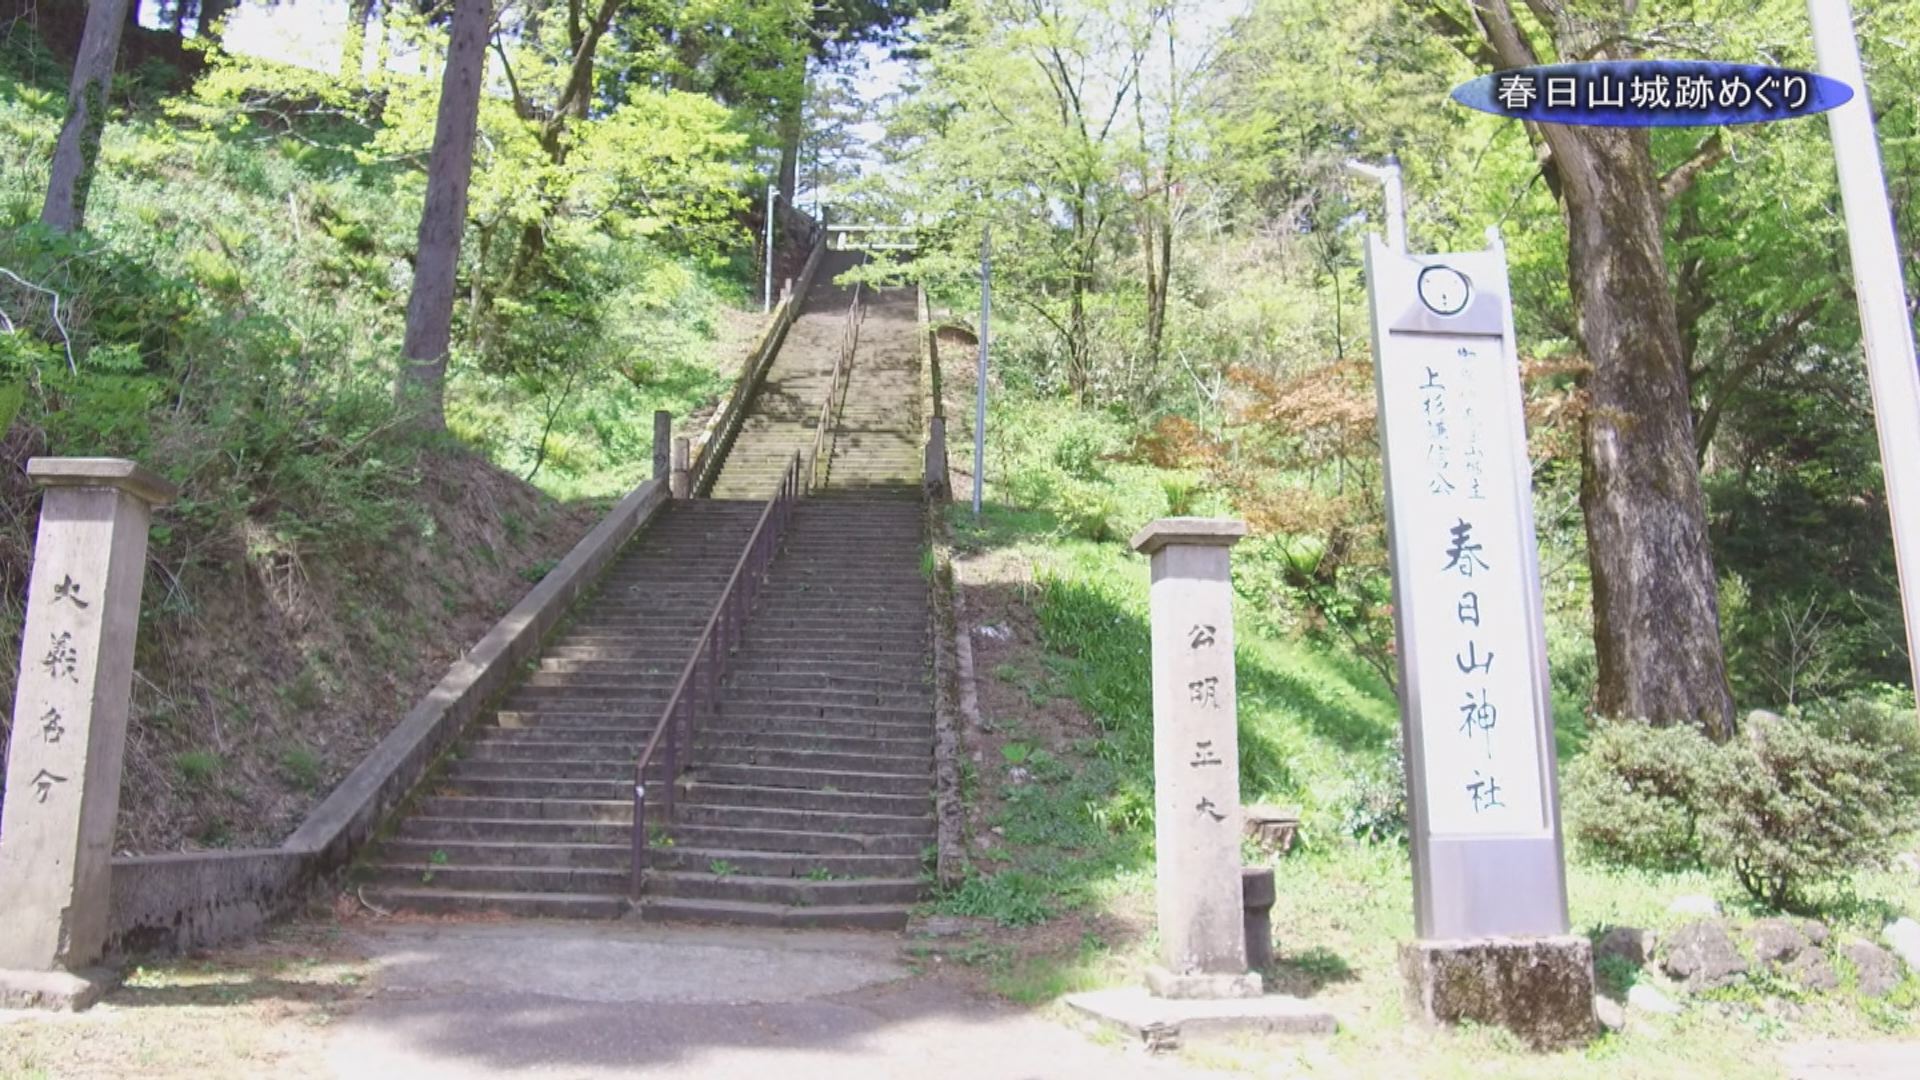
575	999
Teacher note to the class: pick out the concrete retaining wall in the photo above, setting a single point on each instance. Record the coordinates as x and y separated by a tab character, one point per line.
169	903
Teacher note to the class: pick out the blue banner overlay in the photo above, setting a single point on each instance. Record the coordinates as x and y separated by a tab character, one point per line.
1653	93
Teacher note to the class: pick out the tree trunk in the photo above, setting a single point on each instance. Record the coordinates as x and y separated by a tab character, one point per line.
422	384
353	53
792	128
211	12
1656	615
78	150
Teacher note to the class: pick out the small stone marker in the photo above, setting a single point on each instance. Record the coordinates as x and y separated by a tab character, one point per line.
1196	761
70	725
1202	984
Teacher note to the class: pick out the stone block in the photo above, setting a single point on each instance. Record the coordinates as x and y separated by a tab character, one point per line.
1540	989
1202	986
56	990
1163	1023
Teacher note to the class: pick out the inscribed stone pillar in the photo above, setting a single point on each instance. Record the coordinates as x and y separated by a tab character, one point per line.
70	722
1196	761
662	443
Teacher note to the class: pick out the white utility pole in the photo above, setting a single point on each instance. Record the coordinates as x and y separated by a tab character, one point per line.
1885	330
1389	177
980	377
766	303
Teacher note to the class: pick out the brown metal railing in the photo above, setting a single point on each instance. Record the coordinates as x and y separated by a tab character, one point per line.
699	683
836	389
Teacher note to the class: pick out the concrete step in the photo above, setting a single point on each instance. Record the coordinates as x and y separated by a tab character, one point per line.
440	900
428	851
858	917
543	880
798	841
545	744
430	829
705	787
615	811
795	892
784	864
767	817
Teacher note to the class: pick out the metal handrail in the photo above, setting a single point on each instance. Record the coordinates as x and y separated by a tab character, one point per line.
700	677
837	385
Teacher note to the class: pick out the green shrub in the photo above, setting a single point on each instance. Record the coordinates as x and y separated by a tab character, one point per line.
1376	799
1087	511
1632	797
1788	805
1806	801
1182	493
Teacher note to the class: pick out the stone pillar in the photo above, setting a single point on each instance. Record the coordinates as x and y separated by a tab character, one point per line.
682	483
1196	761
935	473
70	725
662	443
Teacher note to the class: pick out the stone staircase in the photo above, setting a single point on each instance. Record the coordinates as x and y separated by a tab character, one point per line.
784	411
532	812
876	442
808	799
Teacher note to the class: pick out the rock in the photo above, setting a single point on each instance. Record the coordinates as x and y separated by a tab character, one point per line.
1018	775
1701	954
1762	716
1701	906
994	632
1611	1014
1811	970
1903	937
1628	943
1540	989
1648	999
1876	970
1778	941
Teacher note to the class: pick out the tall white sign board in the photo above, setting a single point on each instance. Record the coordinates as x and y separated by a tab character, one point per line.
1475	709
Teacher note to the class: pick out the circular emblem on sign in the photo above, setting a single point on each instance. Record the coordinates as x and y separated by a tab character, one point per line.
1444	290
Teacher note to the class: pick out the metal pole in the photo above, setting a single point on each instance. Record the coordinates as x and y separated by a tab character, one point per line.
766	305
1389	177
980	377
1885	332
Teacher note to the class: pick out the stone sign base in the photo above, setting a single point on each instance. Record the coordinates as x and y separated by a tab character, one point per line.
57	990
1163	1023
1202	986
1541	989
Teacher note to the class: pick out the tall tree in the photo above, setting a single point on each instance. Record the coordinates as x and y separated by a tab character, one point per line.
422	384
1656	618
78	151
